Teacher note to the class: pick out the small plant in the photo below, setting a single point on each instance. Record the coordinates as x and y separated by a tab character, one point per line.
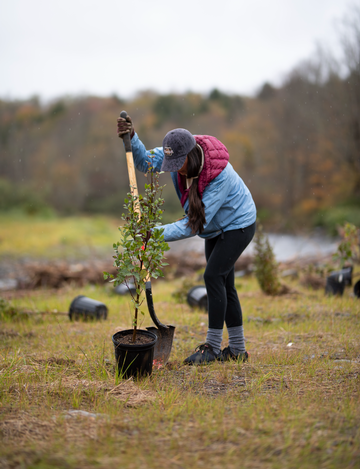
266	267
143	245
6	310
349	248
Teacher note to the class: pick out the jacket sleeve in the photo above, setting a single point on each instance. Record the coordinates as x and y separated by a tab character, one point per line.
144	158
213	197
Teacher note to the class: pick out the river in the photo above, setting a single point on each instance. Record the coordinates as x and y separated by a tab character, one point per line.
285	247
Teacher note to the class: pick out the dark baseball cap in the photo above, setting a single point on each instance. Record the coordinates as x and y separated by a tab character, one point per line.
176	145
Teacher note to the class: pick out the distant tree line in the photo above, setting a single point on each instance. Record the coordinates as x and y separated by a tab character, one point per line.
297	146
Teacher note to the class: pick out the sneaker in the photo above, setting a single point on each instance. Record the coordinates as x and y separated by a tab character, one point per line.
203	355
227	355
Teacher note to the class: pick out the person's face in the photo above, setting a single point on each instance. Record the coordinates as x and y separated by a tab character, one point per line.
183	169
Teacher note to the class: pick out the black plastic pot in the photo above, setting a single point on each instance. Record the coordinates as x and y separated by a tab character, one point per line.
197	297
134	359
124	289
335	284
347	273
85	308
357	289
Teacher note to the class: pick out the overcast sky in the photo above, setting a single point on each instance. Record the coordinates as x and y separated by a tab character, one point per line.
70	47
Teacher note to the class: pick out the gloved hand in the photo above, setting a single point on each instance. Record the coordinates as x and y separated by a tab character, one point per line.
124	126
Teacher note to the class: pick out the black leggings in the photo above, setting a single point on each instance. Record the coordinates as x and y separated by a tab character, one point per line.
221	254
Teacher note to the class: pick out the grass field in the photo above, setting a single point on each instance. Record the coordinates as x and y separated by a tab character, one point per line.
54	238
295	404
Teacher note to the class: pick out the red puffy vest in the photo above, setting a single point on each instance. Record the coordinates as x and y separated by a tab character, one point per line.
216	158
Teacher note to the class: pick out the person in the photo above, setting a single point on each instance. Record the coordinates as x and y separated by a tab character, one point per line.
220	209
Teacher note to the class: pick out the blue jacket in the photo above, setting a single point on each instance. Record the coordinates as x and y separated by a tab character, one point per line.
228	202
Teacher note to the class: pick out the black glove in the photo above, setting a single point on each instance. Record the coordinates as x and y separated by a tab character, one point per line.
124	126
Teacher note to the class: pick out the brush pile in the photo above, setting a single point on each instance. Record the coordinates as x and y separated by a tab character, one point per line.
59	274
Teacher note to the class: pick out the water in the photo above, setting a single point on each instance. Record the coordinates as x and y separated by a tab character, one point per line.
289	247
286	247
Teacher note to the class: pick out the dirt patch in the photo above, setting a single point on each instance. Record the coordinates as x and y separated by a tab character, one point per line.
8	334
25	426
127	391
313	281
54	361
11	334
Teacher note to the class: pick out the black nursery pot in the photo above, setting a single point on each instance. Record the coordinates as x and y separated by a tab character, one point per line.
87	309
335	284
125	289
357	289
197	297
134	359
337	281
346	272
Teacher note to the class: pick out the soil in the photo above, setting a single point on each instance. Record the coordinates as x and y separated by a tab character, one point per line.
140	339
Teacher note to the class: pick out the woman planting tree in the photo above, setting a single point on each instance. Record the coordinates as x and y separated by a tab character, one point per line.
218	208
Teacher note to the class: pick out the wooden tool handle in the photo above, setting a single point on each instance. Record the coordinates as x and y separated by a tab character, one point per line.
130	163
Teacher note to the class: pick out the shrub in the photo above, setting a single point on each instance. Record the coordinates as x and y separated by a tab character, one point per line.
349	248
266	267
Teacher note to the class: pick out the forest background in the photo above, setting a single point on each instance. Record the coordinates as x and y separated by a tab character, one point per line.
296	146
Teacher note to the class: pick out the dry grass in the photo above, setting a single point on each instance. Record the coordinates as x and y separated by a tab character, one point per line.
290	406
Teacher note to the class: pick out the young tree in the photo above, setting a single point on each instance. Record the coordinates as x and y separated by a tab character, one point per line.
142	244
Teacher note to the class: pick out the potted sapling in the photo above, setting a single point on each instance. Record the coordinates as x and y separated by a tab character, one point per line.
139	256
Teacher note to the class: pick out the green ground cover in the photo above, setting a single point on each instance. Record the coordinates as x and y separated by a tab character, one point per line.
290	406
57	237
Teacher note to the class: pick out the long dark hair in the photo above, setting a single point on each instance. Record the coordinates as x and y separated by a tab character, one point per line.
196	206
